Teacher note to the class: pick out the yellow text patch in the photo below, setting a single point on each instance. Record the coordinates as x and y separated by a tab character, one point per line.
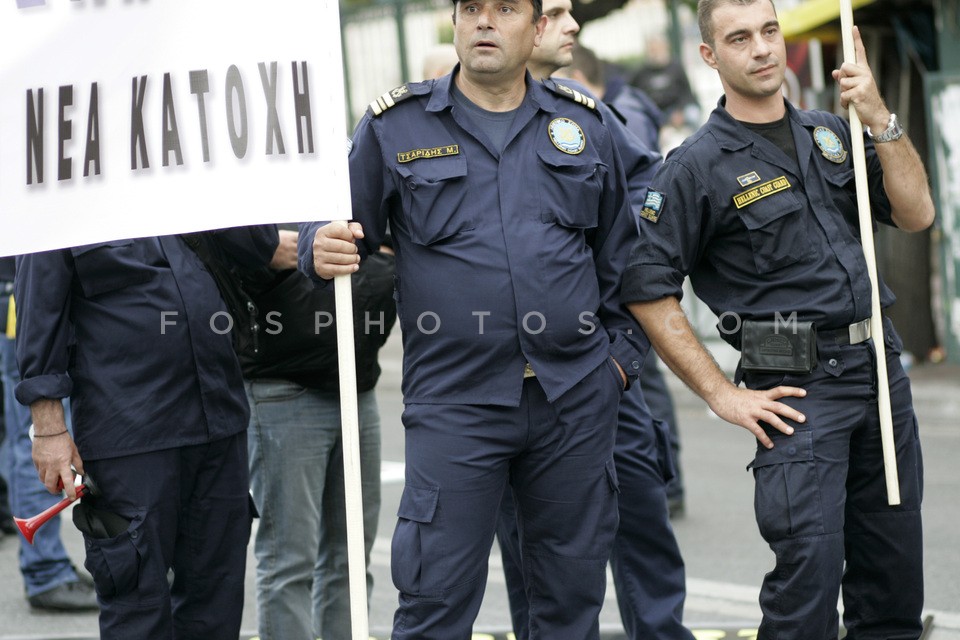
776	185
436	152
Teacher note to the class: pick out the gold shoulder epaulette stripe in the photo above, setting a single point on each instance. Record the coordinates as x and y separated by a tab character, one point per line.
576	96
389	99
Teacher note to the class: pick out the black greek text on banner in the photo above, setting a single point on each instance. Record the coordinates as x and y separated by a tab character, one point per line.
127	119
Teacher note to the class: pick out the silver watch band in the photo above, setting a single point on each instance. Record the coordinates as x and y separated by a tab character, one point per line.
893	131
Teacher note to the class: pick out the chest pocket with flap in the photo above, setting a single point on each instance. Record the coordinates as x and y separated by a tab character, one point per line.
778	232
433	193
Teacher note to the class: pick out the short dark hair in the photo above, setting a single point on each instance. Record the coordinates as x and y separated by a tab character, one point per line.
705	15
586	62
537	9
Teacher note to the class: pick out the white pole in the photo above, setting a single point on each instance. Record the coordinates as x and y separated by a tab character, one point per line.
869	254
350	429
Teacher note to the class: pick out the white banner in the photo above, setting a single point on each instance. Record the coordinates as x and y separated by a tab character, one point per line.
131	118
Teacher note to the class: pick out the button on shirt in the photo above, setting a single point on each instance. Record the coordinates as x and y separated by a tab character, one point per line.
124	329
757	234
503	258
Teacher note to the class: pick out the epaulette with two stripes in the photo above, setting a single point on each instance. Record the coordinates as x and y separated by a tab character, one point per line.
395	96
570	94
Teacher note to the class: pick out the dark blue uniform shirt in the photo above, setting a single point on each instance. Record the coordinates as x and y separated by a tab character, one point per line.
635	137
756	233
502	259
7	269
124	329
641	114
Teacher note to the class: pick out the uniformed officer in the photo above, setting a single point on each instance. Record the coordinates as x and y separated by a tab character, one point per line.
131	331
511	227
759	208
642	117
648	571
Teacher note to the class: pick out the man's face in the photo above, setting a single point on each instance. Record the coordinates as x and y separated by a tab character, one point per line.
495	37
749	51
559	36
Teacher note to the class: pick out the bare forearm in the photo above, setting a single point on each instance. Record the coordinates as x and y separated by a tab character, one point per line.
54	453
906	184
48	418
670	332
904	178
672	336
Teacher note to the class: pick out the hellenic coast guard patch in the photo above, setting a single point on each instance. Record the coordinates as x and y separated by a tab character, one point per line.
652	206
830	145
567	136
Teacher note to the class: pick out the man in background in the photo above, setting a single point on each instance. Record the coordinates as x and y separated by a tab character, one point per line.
439	61
643	119
127	330
665	81
295	441
648	570
49	578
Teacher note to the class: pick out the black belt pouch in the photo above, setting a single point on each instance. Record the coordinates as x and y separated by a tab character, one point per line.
777	346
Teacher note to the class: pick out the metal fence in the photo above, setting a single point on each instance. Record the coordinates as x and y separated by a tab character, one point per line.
384	45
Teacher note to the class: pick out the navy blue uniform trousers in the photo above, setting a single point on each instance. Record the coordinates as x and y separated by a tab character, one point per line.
558	457
821	501
648	570
660	401
189	510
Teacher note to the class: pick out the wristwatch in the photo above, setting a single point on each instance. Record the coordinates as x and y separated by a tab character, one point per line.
891	133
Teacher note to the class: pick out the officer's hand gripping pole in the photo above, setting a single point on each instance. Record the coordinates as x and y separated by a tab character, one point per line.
869	253
350	429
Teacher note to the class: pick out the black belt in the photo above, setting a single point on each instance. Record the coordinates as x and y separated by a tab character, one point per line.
854	334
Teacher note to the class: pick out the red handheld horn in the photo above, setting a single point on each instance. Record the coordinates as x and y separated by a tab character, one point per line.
28	526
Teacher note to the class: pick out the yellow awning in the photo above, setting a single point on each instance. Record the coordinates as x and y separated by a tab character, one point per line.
810	14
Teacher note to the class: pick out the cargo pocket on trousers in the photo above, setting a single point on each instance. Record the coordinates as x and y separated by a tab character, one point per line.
418	505
787	492
668	468
114	562
611	470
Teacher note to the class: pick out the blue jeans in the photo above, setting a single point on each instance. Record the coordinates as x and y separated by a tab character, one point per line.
296	476
44	564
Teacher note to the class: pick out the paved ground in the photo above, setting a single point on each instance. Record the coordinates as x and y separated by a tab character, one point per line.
726	558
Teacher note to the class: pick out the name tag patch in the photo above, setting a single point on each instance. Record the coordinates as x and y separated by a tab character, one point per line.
652	206
422	154
768	188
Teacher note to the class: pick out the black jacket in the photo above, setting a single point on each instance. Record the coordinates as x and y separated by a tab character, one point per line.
298	331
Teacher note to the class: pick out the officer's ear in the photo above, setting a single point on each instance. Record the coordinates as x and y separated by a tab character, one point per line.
708	55
541	26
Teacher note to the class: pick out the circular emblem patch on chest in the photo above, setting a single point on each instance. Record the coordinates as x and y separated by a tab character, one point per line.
830	145
567	136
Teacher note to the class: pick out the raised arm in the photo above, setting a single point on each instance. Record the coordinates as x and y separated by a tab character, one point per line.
904	177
